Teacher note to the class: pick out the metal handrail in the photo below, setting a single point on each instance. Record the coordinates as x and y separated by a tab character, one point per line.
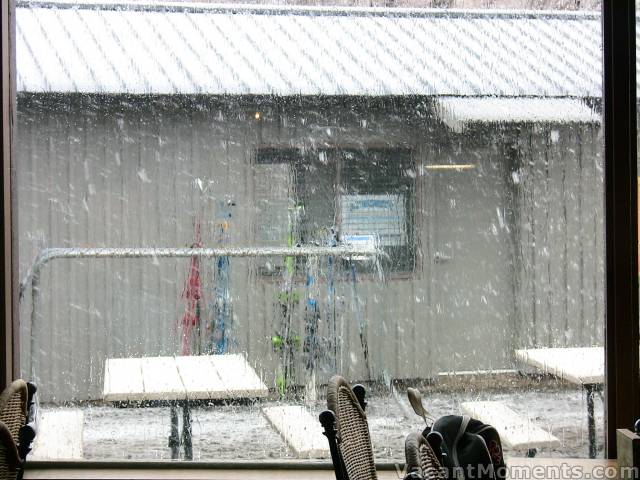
48	254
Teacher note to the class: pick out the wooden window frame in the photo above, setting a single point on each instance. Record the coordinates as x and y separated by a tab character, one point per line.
622	392
9	332
622	383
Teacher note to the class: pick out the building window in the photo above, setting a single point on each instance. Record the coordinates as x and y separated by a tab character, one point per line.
343	195
367	195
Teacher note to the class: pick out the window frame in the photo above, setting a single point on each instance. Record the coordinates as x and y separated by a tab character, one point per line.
9	331
622	383
622	391
334	150
336	154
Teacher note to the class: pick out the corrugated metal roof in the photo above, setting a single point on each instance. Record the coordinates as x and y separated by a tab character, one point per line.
200	49
458	112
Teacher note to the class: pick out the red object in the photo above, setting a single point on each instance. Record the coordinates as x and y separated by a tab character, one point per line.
192	294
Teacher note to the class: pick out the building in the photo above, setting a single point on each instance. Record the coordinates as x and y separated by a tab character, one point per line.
474	136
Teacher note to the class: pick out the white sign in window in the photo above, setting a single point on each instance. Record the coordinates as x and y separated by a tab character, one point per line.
380	215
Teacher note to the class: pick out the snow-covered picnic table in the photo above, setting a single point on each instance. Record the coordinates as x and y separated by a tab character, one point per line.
180	381
582	366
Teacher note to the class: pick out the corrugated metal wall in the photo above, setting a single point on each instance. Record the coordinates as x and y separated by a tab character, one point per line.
109	171
559	237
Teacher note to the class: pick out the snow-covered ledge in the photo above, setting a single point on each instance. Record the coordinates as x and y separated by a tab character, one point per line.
459	112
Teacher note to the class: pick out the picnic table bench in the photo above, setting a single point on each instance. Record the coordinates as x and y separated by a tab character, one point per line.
582	366
299	429
59	435
180	382
515	431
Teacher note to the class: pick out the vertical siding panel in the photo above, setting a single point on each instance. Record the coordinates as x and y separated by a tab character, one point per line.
168	199
204	161
376	349
575	233
499	288
509	175
236	188
344	291
541	257
410	366
528	332
422	316
253	322
534	238
200	163
57	351
115	154
436	186
102	270
592	253
399	357
426	257
514	176
108	189
246	326
169	289
156	328
557	143
585	244
182	198
80	282
187	201
595	163
132	286
516	220
353	355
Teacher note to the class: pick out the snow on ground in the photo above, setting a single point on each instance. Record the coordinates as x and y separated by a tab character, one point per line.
240	432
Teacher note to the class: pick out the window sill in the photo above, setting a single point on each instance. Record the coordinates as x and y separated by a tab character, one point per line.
545	468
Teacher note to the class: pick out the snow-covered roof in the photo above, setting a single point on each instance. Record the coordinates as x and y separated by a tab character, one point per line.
458	112
182	48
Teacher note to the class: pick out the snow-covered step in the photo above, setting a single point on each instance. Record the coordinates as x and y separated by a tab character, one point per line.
59	435
516	431
300	429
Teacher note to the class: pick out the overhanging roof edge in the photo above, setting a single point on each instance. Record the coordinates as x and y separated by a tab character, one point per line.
459	112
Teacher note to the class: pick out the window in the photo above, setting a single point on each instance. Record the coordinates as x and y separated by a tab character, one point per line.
347	195
472	207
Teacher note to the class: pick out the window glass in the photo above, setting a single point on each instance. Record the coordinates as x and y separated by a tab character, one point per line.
222	206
